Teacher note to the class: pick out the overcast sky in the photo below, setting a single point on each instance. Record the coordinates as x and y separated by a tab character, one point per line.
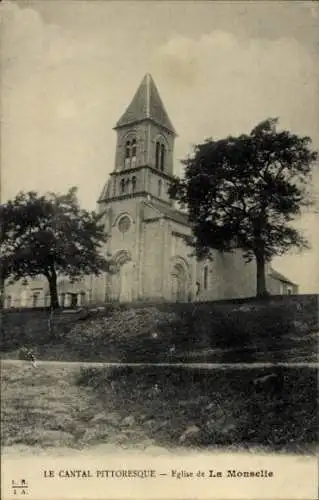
69	69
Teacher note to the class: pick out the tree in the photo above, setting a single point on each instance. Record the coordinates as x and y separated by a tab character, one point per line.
50	235
9	219
245	192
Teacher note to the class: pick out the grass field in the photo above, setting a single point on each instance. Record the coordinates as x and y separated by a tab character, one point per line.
68	406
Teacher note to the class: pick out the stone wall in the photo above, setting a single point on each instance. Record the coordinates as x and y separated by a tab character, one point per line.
152	260
277	287
228	277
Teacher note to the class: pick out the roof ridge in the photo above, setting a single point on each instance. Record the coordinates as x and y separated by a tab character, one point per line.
148	95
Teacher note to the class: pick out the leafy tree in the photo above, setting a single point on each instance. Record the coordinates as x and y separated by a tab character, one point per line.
244	192
50	235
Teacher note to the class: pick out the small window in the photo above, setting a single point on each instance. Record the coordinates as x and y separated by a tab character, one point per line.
62	300
81	299
130	154
133	148
133	184
124	224
74	300
157	155
35	299
205	280
114	187
162	164
127	149
122	185
159	188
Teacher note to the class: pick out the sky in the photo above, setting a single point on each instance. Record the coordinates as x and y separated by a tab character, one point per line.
70	68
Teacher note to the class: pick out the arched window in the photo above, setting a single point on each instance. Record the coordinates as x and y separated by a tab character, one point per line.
122	185
133	154
162	164
159	188
130	154
157	154
133	184
124	224
133	148
127	149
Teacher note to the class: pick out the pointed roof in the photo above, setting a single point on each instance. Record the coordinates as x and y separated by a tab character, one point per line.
146	104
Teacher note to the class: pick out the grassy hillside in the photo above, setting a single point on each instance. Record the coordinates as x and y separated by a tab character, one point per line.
68	406
277	329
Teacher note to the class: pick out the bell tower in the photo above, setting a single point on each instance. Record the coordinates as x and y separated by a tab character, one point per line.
144	149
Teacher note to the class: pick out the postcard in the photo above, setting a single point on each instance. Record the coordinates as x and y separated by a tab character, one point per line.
159	264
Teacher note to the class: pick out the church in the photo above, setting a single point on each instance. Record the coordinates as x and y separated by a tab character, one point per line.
152	261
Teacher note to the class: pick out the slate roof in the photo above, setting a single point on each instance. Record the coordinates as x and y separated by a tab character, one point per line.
146	104
280	277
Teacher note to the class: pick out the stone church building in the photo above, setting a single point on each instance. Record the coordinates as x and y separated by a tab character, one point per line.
147	233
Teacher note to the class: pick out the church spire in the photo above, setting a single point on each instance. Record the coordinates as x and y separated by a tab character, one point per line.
146	105
144	149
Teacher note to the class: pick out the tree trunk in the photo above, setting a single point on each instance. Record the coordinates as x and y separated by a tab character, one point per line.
1	294
261	275
1	305
52	279
54	301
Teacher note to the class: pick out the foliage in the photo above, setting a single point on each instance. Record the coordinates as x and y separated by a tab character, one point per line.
50	235
244	193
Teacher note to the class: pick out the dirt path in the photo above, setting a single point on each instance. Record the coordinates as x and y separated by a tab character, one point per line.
99	450
207	366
